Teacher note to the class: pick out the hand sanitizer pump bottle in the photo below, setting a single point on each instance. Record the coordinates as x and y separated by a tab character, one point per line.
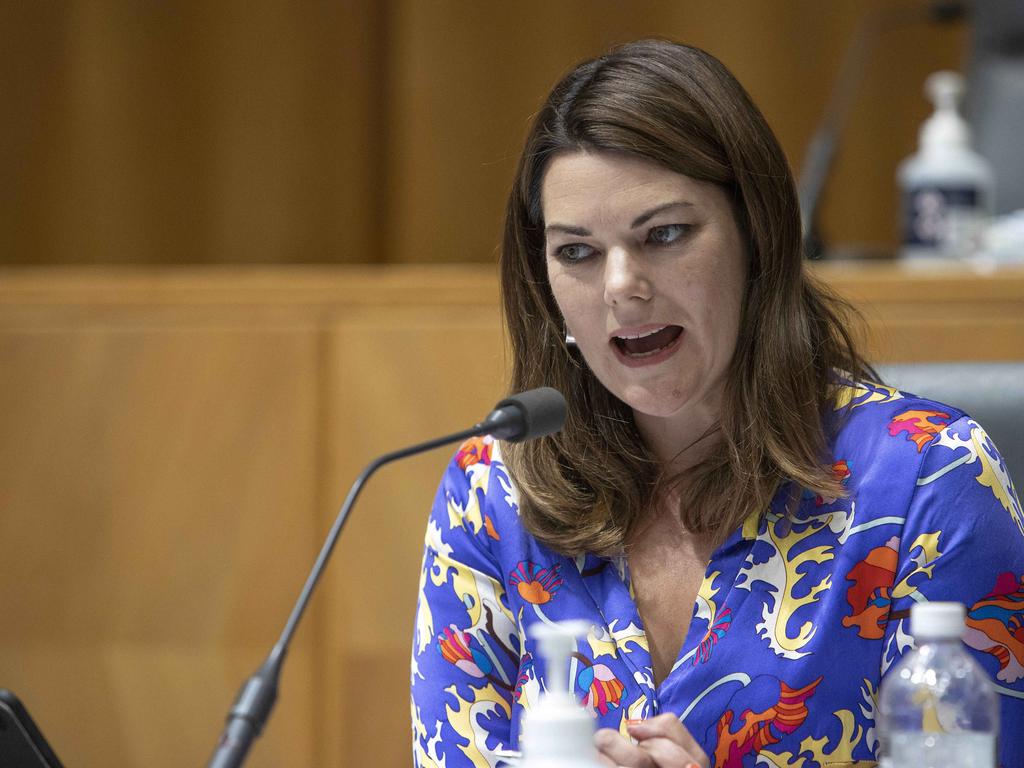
946	187
558	732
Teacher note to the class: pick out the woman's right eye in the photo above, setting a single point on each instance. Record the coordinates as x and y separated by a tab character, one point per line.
574	252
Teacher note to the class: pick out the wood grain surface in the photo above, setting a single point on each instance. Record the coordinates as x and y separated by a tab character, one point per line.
176	444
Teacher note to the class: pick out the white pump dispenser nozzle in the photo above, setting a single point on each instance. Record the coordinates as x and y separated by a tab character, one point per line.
558	732
945	128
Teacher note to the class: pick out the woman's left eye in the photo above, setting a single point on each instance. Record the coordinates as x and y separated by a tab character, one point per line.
667	233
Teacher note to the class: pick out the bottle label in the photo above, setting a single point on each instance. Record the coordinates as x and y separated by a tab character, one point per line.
957	749
933	215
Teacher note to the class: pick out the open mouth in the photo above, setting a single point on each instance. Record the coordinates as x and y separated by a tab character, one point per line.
649	343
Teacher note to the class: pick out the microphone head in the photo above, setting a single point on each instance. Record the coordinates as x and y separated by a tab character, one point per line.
527	415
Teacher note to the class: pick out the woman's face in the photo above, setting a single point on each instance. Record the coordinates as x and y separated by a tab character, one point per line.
648	268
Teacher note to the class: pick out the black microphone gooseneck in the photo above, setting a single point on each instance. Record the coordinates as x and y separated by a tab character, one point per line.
525	416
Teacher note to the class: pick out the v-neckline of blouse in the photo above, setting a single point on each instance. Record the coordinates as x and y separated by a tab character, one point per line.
608	582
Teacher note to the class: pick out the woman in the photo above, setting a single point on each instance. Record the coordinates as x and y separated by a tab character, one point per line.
742	518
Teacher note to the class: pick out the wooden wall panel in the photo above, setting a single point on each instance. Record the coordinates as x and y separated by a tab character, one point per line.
369	131
156	485
188	131
463	96
397	377
177	442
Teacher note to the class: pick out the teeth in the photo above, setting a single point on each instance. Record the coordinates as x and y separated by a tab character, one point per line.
644	354
642	335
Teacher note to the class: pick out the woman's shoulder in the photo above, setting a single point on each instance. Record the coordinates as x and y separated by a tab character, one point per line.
477	502
881	440
476	482
878	417
919	446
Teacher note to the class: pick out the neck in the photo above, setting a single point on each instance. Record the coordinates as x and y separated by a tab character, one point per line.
683	440
663	522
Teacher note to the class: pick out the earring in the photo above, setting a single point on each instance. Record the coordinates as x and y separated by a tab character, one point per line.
570	340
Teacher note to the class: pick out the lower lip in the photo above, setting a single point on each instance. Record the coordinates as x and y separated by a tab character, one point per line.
658	357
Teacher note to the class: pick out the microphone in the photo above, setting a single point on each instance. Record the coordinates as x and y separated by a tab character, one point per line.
531	414
525	416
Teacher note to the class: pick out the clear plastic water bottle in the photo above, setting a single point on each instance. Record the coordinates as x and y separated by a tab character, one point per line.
938	706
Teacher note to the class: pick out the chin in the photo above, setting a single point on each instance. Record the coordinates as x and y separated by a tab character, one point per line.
655	402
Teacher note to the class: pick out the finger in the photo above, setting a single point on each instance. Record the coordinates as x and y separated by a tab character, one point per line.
667	726
667	753
613	746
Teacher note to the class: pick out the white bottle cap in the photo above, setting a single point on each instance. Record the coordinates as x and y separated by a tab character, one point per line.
557	731
556	642
937	621
945	128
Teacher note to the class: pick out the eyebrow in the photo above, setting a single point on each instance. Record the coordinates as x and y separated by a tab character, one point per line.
639	221
643	218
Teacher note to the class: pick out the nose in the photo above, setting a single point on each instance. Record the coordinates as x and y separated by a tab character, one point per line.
626	277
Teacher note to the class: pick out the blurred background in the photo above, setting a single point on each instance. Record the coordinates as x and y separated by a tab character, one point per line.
369	132
247	246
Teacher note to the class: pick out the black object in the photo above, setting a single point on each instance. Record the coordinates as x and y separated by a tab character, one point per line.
526	416
21	743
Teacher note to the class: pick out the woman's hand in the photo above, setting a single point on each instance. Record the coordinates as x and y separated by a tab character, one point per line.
662	742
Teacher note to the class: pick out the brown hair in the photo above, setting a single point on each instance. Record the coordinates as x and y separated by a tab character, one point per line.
586	488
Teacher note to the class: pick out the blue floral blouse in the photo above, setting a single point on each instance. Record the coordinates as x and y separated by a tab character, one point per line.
799	617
